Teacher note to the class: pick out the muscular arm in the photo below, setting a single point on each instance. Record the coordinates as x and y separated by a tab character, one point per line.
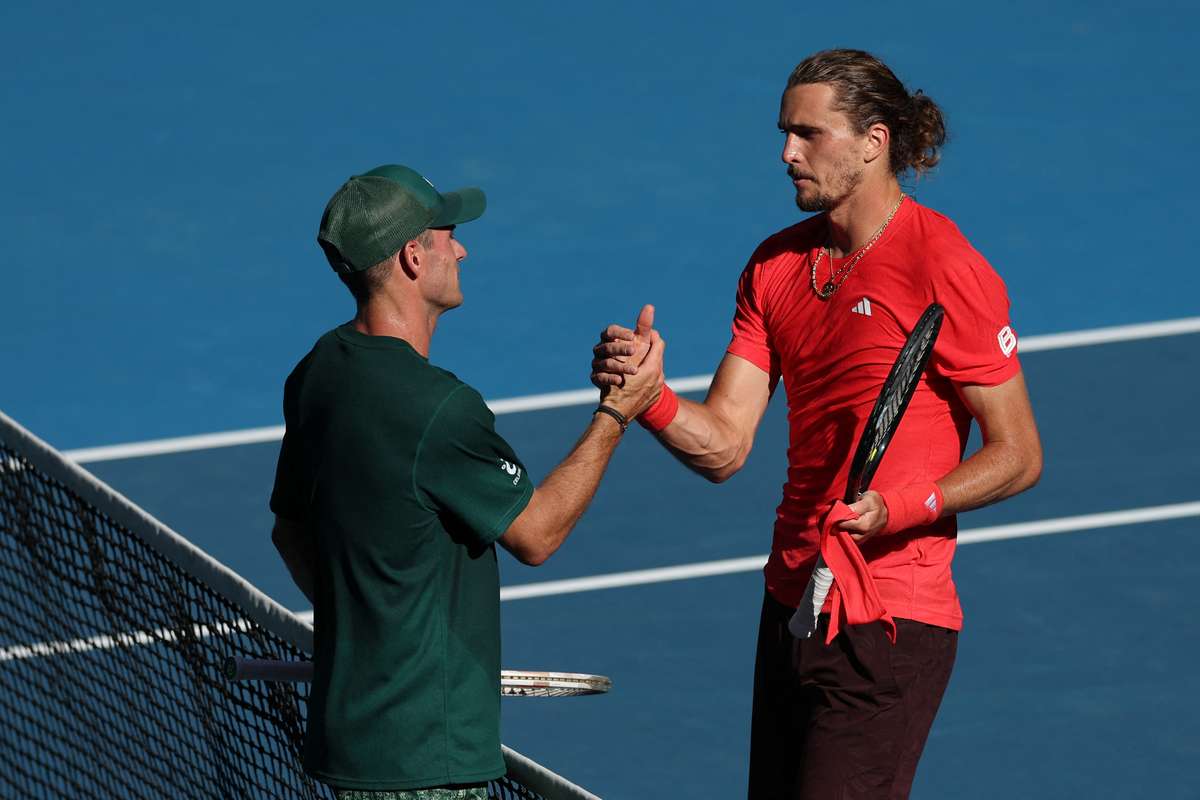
714	438
559	502
298	550
1009	462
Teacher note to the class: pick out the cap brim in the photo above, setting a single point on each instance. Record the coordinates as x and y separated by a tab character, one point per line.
459	207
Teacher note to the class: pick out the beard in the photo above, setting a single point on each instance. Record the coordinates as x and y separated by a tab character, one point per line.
843	181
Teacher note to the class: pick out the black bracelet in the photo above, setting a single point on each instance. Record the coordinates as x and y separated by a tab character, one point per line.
612	412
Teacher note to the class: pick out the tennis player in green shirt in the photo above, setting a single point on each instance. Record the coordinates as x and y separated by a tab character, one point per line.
391	491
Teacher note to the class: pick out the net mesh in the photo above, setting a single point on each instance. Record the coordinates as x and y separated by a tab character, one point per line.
110	662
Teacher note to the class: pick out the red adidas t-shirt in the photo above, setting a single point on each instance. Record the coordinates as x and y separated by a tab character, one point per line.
834	355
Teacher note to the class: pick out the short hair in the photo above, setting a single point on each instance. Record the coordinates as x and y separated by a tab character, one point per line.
868	92
370	281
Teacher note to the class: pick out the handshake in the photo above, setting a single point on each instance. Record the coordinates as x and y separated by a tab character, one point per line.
627	366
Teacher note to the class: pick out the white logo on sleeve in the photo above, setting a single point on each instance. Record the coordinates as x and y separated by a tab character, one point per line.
862	307
1007	340
931	502
511	469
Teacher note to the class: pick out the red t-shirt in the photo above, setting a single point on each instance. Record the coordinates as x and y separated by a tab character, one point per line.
834	355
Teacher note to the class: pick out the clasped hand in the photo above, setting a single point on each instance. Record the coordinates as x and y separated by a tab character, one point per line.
627	365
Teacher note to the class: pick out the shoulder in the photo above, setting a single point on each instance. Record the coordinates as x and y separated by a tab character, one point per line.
793	240
775	261
298	373
455	403
947	254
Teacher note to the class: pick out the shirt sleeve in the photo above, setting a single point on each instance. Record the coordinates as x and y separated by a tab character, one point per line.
751	337
293	487
977	344
468	472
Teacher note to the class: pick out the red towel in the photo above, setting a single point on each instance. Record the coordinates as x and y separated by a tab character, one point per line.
854	596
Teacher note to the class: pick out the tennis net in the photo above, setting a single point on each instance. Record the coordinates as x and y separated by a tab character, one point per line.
113	632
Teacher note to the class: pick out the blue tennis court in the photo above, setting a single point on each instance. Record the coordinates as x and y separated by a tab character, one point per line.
166	172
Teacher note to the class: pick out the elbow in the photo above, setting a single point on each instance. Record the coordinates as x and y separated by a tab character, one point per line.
1030	472
726	470
721	474
534	551
532	558
537	531
1033	464
1033	472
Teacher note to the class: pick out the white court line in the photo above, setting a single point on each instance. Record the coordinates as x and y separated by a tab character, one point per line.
107	642
635	578
1118	333
578	397
728	566
178	444
749	564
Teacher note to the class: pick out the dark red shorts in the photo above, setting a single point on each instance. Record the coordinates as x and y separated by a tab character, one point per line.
847	720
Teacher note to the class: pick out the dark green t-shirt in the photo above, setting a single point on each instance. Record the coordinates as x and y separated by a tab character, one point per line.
396	467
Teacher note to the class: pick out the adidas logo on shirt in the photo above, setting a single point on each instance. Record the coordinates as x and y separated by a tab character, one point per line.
931	502
863	307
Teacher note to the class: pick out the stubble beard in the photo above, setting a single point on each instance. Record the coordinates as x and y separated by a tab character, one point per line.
846	179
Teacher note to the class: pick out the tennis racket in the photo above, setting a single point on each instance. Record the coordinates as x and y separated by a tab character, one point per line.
897	391
513	683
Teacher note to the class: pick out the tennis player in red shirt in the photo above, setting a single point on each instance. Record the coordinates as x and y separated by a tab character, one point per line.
826	305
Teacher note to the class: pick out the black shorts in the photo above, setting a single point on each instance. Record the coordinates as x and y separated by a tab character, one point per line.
847	720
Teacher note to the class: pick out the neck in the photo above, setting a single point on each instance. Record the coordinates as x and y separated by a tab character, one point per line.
858	217
400	318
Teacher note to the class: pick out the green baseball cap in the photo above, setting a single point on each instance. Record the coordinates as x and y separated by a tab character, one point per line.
372	215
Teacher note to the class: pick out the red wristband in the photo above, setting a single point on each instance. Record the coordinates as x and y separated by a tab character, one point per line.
912	506
659	415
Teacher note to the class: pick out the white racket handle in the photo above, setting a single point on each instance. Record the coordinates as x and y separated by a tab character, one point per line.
804	621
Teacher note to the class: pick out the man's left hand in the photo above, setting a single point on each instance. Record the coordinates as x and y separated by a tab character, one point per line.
872	516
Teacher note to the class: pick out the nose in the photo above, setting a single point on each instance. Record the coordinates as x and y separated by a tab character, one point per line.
460	252
791	152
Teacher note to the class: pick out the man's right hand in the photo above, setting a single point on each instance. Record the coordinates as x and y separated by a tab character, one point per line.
714	437
628	365
614	357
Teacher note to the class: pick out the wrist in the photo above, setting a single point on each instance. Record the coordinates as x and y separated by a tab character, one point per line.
912	506
659	415
616	416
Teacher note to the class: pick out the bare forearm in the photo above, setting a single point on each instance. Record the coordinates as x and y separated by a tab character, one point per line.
1010	460
704	442
562	497
714	438
997	471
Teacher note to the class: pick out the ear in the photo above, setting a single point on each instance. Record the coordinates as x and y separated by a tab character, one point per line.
412	258
876	142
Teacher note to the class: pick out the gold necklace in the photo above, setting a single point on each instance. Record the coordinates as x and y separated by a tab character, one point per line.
833	284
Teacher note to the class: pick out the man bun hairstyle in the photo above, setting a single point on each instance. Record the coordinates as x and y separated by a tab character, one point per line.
868	92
